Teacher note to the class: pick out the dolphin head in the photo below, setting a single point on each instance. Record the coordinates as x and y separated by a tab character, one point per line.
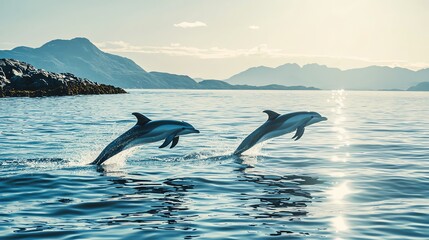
187	128
315	118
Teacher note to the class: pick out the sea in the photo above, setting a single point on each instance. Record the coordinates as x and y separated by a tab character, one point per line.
362	174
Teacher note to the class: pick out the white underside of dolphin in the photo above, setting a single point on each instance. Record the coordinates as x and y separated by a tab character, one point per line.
146	131
278	125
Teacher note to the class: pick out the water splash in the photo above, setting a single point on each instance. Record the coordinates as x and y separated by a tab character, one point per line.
256	150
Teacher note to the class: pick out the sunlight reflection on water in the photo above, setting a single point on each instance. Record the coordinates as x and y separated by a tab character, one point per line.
339	224
337	193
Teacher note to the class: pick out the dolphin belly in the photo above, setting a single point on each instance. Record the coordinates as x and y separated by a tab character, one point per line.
146	139
260	135
276	133
126	141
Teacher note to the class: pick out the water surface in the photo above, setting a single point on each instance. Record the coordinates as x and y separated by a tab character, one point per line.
363	174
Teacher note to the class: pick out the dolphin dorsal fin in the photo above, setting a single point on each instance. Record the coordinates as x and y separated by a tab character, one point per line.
141	119
271	114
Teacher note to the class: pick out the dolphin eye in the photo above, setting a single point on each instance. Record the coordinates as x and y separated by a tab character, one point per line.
183	128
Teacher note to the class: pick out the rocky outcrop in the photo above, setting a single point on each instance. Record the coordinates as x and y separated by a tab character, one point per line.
19	79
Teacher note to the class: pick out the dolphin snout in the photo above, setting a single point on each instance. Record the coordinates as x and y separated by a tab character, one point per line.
324	118
196	131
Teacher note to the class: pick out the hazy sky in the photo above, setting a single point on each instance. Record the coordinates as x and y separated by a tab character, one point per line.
218	38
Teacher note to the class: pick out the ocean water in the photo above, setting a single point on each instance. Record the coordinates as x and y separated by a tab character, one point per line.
363	174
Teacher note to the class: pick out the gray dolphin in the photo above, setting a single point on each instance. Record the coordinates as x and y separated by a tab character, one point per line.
146	131
278	125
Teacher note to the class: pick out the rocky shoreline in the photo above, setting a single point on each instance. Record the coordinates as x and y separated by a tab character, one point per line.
19	79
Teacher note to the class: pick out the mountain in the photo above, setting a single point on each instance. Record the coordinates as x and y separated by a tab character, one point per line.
218	84
423	86
215	84
175	81
320	76
82	58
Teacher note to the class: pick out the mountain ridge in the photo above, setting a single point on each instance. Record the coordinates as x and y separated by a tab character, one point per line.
324	77
82	58
423	86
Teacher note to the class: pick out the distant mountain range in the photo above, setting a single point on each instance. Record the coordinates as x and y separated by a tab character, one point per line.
82	58
218	84
320	76
423	86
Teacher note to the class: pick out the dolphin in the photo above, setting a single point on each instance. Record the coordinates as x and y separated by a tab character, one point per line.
146	131
278	125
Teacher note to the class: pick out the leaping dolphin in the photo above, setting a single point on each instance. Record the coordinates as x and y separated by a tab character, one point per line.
278	125
146	131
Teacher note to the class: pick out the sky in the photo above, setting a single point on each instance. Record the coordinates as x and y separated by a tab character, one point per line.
215	39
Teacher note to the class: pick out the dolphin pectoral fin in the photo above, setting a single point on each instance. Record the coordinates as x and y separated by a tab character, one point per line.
300	130
168	141
299	133
175	141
